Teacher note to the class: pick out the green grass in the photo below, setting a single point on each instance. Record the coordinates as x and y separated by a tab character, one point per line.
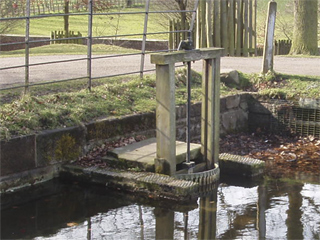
69	104
65	49
103	25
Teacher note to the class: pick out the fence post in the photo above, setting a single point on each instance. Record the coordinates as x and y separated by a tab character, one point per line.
250	33
239	28
224	26
268	44
171	44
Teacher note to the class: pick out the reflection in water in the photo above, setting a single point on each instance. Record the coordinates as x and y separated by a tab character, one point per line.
269	210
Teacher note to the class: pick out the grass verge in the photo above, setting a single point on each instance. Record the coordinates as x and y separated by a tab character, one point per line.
69	104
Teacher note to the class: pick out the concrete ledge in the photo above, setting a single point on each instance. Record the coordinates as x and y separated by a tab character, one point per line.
241	166
156	186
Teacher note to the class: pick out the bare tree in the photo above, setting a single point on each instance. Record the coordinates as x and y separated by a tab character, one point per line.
8	9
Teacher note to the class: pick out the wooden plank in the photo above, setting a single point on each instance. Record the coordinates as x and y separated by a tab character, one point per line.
216	32
255	27
245	28
231	27
203	24
186	55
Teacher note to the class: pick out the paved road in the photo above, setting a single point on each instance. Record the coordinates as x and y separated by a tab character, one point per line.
120	65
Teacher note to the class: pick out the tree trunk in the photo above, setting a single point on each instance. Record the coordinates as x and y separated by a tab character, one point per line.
305	28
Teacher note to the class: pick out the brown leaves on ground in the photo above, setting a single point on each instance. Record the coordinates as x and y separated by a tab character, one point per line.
283	155
93	158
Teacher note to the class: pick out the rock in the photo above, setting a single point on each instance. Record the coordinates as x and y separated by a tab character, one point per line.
230	77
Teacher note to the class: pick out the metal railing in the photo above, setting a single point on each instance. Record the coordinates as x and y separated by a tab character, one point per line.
29	80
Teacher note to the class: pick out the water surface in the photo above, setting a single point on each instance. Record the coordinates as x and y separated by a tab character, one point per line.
236	209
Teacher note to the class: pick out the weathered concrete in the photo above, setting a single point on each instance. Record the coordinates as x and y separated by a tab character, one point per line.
165	109
241	166
269	38
156	186
17	155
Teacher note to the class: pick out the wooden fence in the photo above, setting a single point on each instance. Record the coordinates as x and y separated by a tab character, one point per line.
282	47
61	35
230	24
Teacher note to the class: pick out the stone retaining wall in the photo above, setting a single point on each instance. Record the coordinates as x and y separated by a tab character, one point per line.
20	40
27	160
151	45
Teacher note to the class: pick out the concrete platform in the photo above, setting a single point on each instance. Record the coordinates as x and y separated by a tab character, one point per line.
142	154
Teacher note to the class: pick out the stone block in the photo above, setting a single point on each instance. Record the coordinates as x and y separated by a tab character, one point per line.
233	101
60	145
241	166
223	106
17	155
235	120
181	112
195	110
109	128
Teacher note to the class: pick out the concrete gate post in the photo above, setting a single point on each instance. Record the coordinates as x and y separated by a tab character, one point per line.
210	112
165	119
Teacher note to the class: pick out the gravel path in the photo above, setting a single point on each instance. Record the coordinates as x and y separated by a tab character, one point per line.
120	65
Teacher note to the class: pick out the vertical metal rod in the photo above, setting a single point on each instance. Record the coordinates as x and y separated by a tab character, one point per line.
185	218
89	44
143	48
27	39
205	101
188	110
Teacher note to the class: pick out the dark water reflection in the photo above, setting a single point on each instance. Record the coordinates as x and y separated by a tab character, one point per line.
235	210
